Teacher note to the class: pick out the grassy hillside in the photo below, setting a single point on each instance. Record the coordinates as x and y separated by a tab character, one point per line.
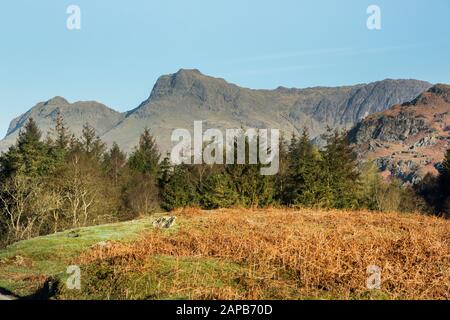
242	254
26	265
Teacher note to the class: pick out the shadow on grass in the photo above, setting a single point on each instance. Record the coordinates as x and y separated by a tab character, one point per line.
46	292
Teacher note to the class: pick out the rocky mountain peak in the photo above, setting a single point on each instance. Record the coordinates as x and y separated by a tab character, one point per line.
188	72
188	84
56	101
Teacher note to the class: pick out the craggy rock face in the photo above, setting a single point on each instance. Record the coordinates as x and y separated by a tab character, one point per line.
409	140
391	128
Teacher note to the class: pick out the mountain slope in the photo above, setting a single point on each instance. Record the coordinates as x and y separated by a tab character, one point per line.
408	140
177	100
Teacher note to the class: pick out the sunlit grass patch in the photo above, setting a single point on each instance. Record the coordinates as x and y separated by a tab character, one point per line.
24	263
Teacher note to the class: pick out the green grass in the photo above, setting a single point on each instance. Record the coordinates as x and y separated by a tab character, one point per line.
160	278
50	255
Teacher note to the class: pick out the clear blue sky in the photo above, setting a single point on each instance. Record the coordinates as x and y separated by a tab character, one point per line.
123	46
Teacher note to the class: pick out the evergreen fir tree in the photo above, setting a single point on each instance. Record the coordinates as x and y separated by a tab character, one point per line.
164	173
145	158
58	141
305	175
254	189
91	144
28	156
178	191
30	134
341	180
62	134
220	192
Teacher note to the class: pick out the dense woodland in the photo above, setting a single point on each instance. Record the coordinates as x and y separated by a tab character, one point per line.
58	181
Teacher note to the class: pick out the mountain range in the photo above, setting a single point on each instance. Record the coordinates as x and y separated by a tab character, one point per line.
178	99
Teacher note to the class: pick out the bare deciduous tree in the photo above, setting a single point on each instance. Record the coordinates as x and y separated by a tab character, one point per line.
80	193
17	195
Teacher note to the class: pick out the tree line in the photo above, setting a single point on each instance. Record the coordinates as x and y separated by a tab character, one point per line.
53	183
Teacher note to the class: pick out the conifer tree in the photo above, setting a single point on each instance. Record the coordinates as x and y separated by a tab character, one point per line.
178	191
90	144
141	192
58	141
305	175
28	156
164	173
30	135
145	158
254	189
341	180
220	192
61	132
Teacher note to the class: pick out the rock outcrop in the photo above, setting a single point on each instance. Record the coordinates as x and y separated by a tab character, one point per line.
408	140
